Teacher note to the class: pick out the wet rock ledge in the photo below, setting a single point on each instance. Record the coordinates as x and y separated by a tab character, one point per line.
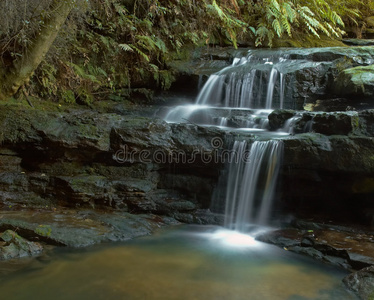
80	177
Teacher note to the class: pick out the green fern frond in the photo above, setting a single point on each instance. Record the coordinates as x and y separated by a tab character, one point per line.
214	7
306	11
291	13
286	25
154	67
337	19
270	36
121	10
140	52
332	30
272	12
274	4
126	47
160	45
146	42
277	27
323	29
105	40
261	34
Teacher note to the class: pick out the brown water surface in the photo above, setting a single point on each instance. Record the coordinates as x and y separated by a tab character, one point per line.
188	262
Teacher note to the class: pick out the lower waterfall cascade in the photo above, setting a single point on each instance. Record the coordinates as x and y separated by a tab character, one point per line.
252	181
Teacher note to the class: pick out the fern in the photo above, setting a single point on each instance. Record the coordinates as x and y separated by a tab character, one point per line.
286	25
277	27
140	52
290	12
126	47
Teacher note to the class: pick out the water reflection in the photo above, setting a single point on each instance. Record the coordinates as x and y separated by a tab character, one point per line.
183	263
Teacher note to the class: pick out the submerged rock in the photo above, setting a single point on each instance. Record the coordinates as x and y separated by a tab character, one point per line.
362	283
15	246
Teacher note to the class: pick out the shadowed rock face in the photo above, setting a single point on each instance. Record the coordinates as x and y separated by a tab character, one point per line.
84	159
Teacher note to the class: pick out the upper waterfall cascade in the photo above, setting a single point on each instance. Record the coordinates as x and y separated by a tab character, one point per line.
254	84
253	81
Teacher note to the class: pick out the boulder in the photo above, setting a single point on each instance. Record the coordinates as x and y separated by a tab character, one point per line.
15	246
362	283
278	118
358	82
333	123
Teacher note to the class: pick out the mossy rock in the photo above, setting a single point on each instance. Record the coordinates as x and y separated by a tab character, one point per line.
361	282
16	246
355	81
309	41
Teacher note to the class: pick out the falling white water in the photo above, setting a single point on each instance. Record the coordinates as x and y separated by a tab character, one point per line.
289	125
271	86
223	122
292	125
251	185
250	82
281	90
253	82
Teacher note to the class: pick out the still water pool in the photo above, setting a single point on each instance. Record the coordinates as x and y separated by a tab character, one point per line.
186	262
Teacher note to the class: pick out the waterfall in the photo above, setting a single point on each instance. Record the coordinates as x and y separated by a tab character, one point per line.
253	83
281	91
250	82
252	180
271	86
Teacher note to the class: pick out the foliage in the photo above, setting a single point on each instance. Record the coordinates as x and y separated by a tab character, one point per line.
108	47
285	17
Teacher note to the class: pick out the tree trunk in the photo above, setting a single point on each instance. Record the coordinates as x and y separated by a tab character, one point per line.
23	68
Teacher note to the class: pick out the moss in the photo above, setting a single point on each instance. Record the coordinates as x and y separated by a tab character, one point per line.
371	296
43	230
307	41
88	130
38	104
361	75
